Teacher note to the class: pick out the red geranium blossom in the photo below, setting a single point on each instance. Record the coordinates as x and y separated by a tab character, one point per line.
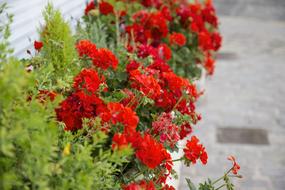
177	38
104	59
144	83
44	94
235	167
117	113
195	151
89	7
38	45
142	185
105	8
209	64
76	107
86	48
150	152
87	79
119	141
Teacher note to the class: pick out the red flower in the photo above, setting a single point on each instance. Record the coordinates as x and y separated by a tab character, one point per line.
178	39
119	141
195	151
144	83
142	185
168	187
86	48
38	45
216	40
164	52
133	65
89	7
87	79
235	167
105	8
117	113
185	130
104	59
150	152
205	40
76	107
209	64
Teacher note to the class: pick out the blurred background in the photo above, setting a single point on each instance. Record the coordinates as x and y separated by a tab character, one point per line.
243	108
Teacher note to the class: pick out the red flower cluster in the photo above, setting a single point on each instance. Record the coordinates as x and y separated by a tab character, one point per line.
88	80
167	131
75	107
150	152
195	151
148	26
83	103
102	58
105	8
117	113
177	39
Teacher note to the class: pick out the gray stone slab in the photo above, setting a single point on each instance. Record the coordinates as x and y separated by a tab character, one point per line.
242	136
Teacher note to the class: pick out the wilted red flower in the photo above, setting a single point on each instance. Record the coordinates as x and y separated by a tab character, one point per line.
131	100
177	38
167	131
235	167
44	94
105	8
150	152
89	7
87	79
195	151
38	45
104	59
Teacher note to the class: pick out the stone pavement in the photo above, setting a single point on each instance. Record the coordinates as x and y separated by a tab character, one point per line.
247	91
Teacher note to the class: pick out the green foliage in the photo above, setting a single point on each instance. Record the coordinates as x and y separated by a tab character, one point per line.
59	58
27	133
37	154
5	21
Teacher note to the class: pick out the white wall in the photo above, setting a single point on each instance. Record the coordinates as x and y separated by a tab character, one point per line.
28	19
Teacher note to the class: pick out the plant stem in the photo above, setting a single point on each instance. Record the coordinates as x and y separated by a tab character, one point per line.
176	160
221	187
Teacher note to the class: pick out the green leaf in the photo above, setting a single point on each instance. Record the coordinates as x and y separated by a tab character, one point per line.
190	184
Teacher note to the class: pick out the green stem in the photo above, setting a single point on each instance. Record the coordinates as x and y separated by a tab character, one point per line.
222	176
221	186
176	160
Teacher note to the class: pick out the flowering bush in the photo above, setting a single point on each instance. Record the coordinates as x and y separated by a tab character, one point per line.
116	95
